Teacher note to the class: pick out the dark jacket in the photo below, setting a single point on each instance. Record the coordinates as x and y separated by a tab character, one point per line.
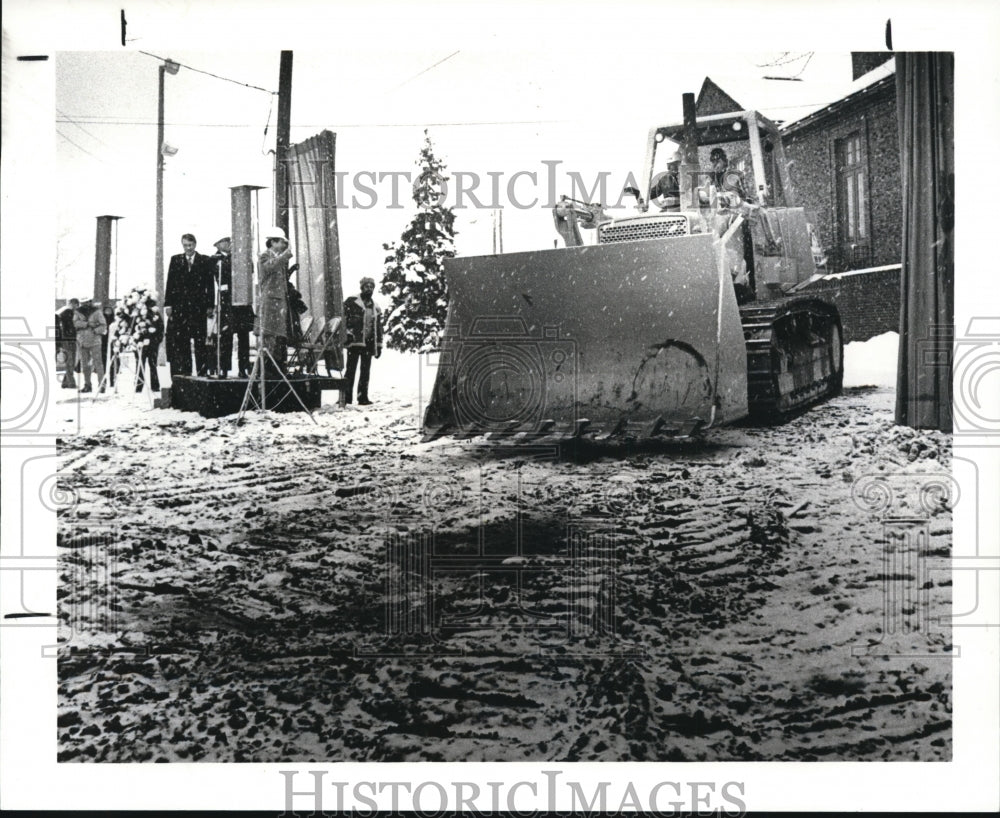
190	291
154	322
222	278
65	328
354	322
234	319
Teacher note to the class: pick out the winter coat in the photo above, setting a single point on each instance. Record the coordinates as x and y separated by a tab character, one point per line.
273	307
191	291
354	322
65	326
90	325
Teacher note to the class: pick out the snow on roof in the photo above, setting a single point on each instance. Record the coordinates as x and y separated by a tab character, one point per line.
887	69
791	102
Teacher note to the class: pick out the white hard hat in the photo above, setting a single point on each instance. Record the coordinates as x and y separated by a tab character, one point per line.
275	233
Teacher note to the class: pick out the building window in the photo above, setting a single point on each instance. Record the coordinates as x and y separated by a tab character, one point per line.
852	190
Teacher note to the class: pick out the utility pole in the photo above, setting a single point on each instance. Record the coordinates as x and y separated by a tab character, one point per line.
164	68
159	188
283	141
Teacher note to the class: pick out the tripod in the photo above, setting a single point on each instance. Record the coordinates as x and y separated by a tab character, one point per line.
260	368
142	367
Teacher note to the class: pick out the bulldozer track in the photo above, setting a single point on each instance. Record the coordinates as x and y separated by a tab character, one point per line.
794	355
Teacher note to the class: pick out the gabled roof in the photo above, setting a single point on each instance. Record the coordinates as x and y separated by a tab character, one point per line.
713	100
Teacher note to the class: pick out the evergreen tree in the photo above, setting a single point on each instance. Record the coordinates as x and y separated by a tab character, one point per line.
414	276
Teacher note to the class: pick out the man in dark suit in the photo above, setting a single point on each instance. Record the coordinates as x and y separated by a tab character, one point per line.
187	302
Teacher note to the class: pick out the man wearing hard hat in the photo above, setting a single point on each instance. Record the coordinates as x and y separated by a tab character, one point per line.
274	295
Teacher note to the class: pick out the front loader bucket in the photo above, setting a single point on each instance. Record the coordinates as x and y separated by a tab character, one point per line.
633	339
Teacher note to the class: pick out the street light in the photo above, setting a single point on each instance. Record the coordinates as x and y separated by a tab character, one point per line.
167	67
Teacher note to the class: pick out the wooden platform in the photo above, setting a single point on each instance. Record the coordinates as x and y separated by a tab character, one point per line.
214	397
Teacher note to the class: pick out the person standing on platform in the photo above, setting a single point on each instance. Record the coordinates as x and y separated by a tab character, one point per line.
187	301
240	316
363	320
222	282
274	296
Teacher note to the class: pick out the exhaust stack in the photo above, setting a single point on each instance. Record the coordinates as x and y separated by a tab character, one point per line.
244	249
102	259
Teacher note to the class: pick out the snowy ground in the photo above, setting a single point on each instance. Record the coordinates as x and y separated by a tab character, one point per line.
284	590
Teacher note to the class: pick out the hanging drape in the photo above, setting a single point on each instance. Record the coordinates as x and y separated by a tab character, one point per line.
313	218
925	103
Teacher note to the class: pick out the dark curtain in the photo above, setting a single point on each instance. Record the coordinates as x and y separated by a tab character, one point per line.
925	103
313	211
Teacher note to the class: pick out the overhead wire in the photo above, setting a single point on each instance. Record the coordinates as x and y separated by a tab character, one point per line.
80	147
428	68
804	66
338	125
72	121
267	125
784	59
208	73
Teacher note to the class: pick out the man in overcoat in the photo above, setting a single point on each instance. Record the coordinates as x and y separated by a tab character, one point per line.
188	299
273	308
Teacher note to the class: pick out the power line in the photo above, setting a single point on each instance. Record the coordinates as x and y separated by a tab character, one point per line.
263	140
777	60
784	59
805	65
209	73
335	125
79	147
72	121
428	68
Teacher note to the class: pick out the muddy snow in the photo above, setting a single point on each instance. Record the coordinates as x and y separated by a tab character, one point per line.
284	590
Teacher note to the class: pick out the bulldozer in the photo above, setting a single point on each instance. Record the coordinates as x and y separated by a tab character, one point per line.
684	315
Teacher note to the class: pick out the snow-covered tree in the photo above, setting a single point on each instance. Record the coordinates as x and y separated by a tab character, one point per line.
414	276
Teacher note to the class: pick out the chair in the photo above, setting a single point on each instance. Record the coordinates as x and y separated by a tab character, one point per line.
325	346
298	359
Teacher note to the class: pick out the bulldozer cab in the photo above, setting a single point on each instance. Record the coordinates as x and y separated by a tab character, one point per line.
772	253
768	184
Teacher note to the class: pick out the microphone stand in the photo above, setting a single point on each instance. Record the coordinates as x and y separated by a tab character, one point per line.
218	318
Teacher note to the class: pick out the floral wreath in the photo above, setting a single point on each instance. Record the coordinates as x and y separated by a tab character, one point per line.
137	322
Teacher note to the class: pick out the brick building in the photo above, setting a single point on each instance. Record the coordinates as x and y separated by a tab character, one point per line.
844	164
